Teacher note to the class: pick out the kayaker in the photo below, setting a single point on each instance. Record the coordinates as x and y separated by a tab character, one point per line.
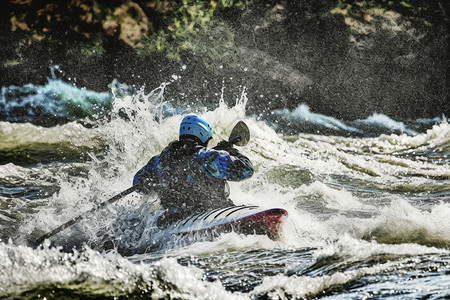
188	177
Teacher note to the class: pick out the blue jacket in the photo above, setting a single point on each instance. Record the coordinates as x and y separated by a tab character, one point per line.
191	177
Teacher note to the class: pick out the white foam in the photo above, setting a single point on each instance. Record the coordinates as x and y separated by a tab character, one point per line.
22	135
354	249
404	219
294	287
229	242
108	275
350	249
303	113
438	135
384	121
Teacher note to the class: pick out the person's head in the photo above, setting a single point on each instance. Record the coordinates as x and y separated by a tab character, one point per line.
196	128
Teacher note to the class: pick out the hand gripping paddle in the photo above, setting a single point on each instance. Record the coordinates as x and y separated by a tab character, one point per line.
240	135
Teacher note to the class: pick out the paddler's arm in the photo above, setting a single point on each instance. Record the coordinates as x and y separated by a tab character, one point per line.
229	165
147	176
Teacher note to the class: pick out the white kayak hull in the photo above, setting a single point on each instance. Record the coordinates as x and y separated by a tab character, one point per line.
241	219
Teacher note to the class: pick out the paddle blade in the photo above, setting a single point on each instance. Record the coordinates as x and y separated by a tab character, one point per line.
240	135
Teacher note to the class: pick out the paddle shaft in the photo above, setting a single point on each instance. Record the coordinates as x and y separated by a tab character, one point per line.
82	216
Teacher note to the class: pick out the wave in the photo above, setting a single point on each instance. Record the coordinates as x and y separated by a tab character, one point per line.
303	120
90	274
384	123
56	102
349	266
24	144
59	102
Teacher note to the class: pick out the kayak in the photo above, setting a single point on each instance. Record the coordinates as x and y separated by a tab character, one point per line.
240	219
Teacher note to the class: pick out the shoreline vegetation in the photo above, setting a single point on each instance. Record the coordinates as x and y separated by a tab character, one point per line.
386	56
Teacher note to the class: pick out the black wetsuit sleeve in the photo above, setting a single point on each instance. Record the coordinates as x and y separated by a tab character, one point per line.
147	176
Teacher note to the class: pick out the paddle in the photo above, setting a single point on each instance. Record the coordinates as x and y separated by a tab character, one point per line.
240	135
82	216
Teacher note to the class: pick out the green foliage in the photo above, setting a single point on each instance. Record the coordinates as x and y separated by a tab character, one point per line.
427	12
148	26
405	7
187	18
386	4
92	49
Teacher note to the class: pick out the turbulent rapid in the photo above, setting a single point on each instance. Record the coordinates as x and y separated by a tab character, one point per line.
368	202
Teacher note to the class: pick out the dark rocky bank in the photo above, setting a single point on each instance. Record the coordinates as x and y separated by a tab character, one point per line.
346	59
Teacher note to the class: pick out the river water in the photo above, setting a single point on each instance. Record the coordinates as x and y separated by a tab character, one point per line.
368	202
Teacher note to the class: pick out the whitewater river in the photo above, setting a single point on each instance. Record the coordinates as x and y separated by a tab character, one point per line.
368	202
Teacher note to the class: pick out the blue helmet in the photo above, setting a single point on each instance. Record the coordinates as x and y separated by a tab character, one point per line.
196	126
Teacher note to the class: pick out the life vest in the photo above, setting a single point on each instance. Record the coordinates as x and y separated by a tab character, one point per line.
185	189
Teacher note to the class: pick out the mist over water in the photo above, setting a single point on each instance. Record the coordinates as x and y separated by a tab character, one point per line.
368	202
